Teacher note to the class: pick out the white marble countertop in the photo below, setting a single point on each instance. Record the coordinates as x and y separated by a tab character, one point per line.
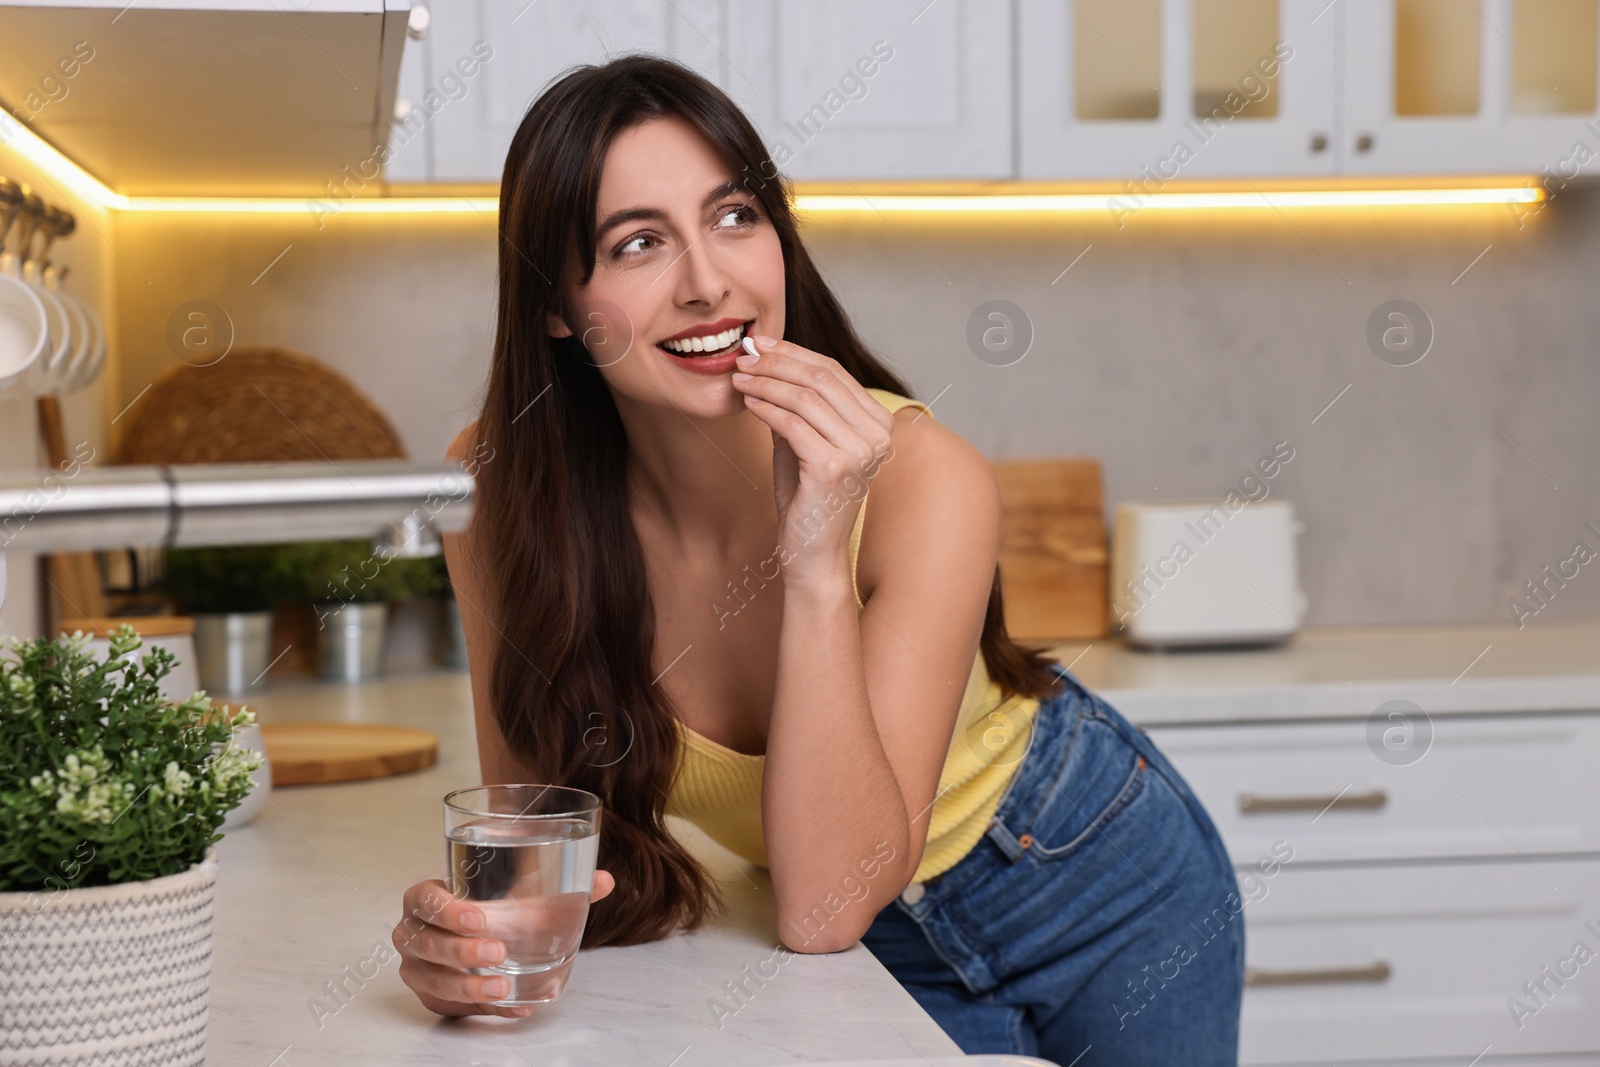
1346	672
313	884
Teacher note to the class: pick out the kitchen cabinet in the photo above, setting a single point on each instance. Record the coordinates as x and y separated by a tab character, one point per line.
1507	87
842	90
1420	895
1266	783
1122	88
1414	819
522	46
1149	91
208	97
837	90
1386	965
1143	92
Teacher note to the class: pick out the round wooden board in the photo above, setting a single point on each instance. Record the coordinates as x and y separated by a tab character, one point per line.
308	753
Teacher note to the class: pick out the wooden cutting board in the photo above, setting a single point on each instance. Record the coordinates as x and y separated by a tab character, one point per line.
1053	549
310	753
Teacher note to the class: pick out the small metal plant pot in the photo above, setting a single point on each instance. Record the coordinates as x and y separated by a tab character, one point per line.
350	640
233	650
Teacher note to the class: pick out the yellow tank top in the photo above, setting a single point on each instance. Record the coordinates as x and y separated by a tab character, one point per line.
719	790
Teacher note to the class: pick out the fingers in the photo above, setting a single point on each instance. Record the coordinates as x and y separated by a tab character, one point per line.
424	934
422	941
879	414
830	432
604	883
815	412
433	903
451	992
455	1009
801	367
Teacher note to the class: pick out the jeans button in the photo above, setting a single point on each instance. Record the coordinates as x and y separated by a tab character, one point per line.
913	893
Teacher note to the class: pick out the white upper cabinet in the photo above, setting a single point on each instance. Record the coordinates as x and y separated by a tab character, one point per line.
838	89
1150	91
908	89
1503	86
1131	91
514	48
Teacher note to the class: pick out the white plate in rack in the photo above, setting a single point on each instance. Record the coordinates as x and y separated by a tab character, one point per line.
24	337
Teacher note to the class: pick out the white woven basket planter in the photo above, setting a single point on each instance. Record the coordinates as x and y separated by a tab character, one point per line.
108	975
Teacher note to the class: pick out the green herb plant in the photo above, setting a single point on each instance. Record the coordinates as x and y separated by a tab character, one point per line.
353	572
102	779
225	578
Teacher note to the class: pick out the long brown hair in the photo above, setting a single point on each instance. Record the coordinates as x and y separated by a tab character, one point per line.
571	681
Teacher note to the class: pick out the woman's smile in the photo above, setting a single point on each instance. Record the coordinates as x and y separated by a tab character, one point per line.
709	348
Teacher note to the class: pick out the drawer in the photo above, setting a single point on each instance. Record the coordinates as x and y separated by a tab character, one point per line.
1397	962
1500	785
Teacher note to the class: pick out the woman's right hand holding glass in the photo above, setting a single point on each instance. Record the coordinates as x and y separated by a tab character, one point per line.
441	936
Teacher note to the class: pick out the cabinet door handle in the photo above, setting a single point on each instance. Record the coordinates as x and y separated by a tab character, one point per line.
1377	971
1256	804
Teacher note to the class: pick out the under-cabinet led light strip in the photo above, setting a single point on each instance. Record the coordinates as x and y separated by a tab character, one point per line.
76	180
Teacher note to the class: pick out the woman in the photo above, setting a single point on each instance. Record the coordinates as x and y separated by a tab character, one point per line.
673	598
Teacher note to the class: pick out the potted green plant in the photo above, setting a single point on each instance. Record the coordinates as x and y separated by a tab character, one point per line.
111	798
230	591
350	585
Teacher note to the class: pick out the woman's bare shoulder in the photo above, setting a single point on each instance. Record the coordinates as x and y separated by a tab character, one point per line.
935	496
928	456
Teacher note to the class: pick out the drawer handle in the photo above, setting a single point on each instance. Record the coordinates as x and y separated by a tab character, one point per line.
1373	972
1253	804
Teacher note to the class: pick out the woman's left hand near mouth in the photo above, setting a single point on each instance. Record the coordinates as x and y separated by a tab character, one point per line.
829	438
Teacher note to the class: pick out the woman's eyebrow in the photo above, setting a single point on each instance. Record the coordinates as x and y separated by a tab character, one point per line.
631	214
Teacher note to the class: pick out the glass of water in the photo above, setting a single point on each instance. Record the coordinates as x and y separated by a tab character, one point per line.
525	854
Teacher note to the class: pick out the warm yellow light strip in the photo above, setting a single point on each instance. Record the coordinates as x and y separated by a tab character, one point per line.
318	207
1109	203
90	188
1121	203
31	147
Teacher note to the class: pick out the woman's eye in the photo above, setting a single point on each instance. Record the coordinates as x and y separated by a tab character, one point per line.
743	214
628	247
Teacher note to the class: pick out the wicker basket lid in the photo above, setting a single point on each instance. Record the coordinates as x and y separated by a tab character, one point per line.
257	405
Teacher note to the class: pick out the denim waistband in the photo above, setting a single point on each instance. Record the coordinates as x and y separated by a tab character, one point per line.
1054	730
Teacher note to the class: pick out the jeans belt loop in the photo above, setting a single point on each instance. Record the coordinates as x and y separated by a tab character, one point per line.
1008	843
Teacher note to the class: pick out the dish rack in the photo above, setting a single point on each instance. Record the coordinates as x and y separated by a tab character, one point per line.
51	342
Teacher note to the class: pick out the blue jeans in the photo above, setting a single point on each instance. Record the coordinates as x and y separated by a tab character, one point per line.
1098	917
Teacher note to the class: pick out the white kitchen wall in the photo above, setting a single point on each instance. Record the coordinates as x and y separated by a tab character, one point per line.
1177	349
86	254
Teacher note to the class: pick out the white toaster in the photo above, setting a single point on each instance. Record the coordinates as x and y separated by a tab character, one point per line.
1197	572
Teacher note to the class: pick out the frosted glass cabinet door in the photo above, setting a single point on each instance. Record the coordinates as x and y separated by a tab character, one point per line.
885	89
1156	90
530	42
1499	87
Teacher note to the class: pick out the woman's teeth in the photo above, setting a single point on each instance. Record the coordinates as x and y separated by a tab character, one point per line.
711	343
